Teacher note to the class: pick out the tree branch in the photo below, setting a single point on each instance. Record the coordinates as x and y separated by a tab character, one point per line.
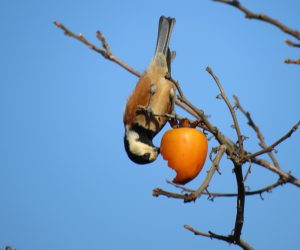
292	61
272	146
192	196
287	177
196	194
292	44
106	53
230	239
236	125
239	221
252	124
213	195
261	17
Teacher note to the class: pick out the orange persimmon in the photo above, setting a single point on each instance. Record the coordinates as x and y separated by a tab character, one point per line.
185	149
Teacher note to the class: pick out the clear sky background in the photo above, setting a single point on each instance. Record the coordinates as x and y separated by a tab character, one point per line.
66	182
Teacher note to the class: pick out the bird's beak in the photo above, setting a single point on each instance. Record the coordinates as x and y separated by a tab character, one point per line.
158	150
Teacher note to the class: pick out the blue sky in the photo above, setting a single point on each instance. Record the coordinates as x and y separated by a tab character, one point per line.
66	182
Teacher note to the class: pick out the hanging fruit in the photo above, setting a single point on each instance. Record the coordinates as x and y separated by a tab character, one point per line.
185	149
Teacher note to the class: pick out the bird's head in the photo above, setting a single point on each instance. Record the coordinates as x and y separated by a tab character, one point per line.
139	146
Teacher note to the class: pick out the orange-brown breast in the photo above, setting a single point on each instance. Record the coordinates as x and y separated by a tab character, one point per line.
160	102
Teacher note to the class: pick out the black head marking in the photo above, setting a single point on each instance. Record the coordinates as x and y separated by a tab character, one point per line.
145	136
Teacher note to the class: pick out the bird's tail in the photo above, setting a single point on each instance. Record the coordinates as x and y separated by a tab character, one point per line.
162	51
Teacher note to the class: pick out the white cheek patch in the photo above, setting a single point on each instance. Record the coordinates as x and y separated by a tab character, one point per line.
140	148
137	147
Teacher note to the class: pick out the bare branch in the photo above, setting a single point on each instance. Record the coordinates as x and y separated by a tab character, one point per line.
158	192
252	124
183	188
187	108
240	204
287	177
103	41
178	101
106	53
247	172
230	239
194	195
232	112
272	146
188	197
261	17
292	44
213	195
200	115
292	61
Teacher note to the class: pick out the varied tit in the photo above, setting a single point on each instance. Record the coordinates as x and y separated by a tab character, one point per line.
153	98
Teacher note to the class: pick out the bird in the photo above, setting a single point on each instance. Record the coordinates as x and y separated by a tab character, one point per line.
152	99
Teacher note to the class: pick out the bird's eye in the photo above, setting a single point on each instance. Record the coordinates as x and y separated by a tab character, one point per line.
146	156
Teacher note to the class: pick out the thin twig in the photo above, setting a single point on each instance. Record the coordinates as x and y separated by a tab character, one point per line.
261	17
272	146
252	124
194	195
158	192
292	61
102	39
213	195
185	189
231	109
106	53
292	44
230	239
188	197
179	101
287	177
200	115
186	108
247	172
